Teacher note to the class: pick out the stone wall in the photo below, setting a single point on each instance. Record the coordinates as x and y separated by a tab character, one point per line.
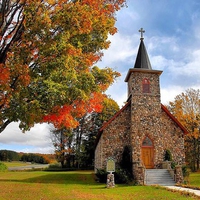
143	117
113	140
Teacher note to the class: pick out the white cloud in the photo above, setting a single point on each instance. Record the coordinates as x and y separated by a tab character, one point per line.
168	94
121	49
190	67
159	62
36	140
163	45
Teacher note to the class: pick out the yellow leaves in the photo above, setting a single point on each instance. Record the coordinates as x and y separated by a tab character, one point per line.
186	109
60	43
51	2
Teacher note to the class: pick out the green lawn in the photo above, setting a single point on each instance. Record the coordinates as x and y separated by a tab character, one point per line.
194	179
41	185
16	164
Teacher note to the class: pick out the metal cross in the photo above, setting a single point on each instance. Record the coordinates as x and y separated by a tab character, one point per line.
142	31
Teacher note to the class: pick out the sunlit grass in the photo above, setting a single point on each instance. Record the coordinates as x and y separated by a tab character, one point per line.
194	179
16	164
73	185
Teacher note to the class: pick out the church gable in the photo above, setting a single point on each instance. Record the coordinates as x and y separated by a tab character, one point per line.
113	137
178	124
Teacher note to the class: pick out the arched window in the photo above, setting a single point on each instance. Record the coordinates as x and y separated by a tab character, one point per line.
145	86
147	142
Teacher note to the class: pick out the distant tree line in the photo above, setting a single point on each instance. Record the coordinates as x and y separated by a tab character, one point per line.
8	155
34	158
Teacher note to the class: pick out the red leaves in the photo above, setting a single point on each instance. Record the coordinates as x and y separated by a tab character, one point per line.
62	116
66	116
4	74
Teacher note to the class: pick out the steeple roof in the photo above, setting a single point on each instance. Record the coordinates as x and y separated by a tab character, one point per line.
142	62
142	59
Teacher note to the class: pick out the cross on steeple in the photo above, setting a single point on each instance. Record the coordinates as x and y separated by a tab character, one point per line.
142	31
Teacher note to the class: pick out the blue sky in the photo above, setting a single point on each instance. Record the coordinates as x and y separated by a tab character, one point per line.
172	40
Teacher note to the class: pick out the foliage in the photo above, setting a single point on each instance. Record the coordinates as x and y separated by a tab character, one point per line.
3	167
186	108
173	164
121	176
62	141
88	129
101	175
75	147
168	155
7	155
186	174
33	158
186	171
126	169
48	50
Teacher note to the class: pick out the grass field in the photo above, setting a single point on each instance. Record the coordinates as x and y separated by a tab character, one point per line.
16	164
41	185
194	179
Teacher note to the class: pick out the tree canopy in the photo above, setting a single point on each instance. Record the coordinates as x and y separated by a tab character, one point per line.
186	108
47	55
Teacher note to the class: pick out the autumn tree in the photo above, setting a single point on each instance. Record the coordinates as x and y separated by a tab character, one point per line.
85	134
62	141
47	53
75	147
186	108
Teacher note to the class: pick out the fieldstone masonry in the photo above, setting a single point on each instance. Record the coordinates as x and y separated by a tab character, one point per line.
110	180
142	117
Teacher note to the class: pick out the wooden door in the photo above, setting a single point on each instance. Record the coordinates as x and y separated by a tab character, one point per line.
147	157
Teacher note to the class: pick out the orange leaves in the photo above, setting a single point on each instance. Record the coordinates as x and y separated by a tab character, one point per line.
4	74
51	62
95	102
4	86
66	115
62	116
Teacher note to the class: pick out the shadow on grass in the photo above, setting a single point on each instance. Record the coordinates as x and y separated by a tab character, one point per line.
77	178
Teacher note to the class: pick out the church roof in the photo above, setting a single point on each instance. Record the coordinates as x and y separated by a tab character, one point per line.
142	62
142	59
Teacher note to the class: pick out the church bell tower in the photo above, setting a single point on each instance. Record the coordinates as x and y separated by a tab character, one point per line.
144	94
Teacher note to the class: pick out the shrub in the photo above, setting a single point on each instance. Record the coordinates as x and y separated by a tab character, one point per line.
3	167
168	155
173	165
186	171
121	176
101	175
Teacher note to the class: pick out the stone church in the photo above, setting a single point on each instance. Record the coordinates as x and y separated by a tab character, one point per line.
143	125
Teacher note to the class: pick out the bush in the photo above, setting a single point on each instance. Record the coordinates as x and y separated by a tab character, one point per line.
186	171
121	176
3	167
168	155
173	165
101	175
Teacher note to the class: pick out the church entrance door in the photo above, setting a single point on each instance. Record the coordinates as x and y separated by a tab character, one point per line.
147	153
